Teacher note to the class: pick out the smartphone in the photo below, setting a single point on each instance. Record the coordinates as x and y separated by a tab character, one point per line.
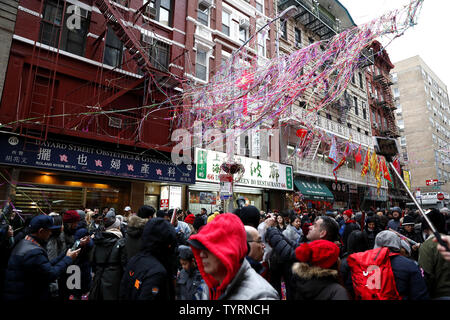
76	245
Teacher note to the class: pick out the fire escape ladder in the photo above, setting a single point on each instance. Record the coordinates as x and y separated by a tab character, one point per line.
40	89
124	32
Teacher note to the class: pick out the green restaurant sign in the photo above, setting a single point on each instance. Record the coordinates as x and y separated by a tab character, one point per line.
258	173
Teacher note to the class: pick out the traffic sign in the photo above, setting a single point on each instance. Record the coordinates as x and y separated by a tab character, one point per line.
440	196
432	182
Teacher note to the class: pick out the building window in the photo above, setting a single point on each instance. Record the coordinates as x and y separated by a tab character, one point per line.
259	6
73	41
355	103
298	38
349	125
283	30
364	113
353	79
201	66
159	55
361	81
160	10
113	49
394	78
203	14
328	116
261	45
396	93
243	34
226	23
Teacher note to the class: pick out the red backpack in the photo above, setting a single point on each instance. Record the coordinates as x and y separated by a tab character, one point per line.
372	275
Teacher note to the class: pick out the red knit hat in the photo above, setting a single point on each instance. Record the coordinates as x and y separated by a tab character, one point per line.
348	213
189	219
71	216
321	253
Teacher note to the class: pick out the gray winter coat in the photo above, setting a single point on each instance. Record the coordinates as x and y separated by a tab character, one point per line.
293	234
249	285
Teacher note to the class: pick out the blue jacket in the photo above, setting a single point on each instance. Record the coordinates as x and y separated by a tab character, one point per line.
30	272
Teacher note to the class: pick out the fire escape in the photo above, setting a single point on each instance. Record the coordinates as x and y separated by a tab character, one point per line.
387	103
99	92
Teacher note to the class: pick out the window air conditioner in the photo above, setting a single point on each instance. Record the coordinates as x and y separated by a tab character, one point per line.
207	3
244	23
115	122
150	11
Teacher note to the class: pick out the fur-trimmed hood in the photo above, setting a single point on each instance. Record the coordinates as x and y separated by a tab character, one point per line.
305	271
136	222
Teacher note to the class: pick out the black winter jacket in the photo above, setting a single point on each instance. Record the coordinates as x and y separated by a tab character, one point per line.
315	283
284	251
134	233
30	273
150	274
108	261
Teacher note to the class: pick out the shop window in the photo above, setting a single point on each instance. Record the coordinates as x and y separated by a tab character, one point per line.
53	27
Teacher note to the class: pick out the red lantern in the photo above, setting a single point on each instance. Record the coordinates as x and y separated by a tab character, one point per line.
301	133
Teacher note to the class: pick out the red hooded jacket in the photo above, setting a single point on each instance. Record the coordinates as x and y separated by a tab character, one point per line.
224	237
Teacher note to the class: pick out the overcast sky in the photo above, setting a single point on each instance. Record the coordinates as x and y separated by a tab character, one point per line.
428	39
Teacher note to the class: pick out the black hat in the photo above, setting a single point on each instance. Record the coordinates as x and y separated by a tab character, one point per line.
199	222
437	219
408	220
185	252
197	244
146	212
162	213
250	216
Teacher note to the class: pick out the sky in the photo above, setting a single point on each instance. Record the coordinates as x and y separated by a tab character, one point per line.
428	39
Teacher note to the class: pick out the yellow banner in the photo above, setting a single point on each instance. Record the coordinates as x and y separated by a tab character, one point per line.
407	179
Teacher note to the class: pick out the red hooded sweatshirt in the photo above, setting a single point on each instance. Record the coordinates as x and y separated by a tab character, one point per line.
224	237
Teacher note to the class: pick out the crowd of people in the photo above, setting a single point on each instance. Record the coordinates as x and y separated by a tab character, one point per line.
245	255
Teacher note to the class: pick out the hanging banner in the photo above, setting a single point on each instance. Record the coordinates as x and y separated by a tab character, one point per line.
407	178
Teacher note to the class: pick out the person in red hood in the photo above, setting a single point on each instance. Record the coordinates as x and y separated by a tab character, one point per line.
220	249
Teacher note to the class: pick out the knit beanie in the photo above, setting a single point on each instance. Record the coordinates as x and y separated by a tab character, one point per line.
348	213
146	212
71	216
321	253
110	219
189	219
250	216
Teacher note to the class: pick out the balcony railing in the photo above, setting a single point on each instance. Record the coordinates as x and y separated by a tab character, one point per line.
325	124
325	170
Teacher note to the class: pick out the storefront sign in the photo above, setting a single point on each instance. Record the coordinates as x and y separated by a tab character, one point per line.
258	173
86	159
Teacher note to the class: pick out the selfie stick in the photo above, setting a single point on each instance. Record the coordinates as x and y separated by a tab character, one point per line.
433	229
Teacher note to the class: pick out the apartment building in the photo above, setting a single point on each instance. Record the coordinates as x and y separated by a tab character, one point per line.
82	122
349	119
423	117
382	114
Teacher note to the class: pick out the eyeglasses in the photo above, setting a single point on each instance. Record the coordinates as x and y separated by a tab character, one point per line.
257	241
